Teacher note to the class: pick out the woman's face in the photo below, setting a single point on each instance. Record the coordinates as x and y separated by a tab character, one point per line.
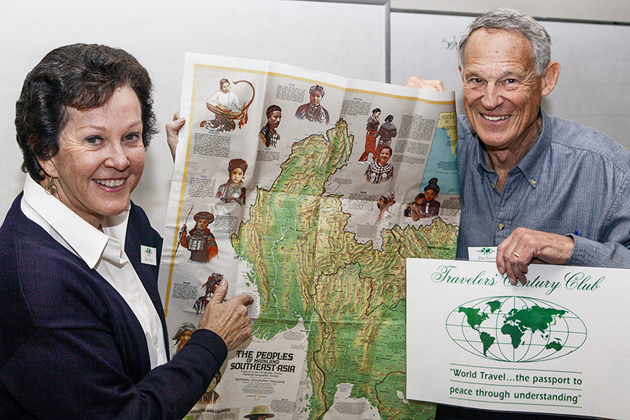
236	175
384	156
429	194
100	158
225	87
274	119
316	97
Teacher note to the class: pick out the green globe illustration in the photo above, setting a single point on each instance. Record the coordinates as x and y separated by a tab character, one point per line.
515	329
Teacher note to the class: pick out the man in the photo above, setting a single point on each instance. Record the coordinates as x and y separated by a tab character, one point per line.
200	241
541	188
386	132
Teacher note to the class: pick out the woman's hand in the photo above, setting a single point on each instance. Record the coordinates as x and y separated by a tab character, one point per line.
172	131
228	319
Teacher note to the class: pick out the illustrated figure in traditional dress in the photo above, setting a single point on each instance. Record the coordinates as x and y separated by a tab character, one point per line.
200	241
313	111
234	189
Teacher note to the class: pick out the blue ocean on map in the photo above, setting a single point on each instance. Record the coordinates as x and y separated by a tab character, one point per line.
442	164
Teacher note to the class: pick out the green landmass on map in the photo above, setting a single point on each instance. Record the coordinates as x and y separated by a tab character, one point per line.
515	324
533	318
350	296
474	317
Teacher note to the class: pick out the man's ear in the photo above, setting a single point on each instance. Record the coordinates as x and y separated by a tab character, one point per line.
550	77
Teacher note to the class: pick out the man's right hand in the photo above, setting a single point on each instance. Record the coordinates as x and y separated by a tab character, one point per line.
228	319
425	84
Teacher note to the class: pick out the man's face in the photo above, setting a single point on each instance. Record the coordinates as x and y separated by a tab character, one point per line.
316	97
202	224
274	119
502	95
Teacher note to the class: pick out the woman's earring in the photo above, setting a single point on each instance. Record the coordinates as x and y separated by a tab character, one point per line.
50	187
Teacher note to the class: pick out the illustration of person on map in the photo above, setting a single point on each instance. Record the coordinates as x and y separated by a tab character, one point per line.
373	123
260	412
182	334
425	205
200	241
386	132
379	170
384	203
268	134
224	100
211	285
234	189
313	111
181	337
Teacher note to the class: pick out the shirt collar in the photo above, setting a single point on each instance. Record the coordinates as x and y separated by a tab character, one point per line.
82	238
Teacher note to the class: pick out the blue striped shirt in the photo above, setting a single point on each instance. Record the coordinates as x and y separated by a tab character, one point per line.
574	179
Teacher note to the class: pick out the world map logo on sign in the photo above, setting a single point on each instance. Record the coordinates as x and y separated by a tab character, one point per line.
516	329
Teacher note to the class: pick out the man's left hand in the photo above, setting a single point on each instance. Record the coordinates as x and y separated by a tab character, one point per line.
526	246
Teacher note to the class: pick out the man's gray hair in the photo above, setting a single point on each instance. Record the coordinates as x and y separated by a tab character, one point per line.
515	21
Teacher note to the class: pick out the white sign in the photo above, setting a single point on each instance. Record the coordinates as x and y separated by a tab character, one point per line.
559	344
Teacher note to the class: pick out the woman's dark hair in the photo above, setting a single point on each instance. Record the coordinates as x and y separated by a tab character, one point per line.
79	76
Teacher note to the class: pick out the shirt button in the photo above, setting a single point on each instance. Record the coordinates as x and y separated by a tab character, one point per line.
492	185
533	182
501	226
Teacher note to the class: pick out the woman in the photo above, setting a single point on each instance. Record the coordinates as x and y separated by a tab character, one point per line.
313	111
234	189
425	205
81	322
379	170
269	134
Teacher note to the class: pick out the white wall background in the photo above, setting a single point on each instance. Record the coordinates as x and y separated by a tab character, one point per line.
351	39
595	58
316	35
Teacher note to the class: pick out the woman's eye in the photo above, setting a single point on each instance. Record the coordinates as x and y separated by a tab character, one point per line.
94	140
132	137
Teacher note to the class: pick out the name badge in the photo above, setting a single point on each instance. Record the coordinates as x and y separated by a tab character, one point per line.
148	255
482	253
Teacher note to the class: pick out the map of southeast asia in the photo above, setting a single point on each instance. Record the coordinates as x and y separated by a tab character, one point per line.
320	247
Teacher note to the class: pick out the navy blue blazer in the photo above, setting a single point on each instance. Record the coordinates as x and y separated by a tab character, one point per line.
71	348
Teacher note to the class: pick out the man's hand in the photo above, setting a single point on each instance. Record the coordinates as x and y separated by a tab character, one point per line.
525	246
228	319
425	84
172	130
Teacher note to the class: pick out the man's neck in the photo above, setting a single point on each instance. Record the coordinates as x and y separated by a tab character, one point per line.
503	160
